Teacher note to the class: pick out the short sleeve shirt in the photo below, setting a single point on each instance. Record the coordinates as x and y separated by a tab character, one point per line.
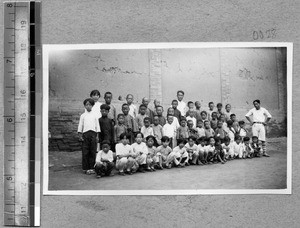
259	115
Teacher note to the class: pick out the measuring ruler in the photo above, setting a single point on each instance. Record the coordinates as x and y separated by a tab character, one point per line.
22	113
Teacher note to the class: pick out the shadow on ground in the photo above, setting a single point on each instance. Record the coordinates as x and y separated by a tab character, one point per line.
258	173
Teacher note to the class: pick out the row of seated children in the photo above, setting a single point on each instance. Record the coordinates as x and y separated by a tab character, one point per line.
144	156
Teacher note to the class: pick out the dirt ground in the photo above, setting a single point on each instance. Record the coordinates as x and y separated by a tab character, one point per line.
257	173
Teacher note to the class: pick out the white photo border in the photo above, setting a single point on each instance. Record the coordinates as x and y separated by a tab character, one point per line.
47	48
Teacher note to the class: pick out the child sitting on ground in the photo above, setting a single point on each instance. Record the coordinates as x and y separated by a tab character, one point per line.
202	151
238	147
210	150
256	147
104	160
180	153
157	130
140	151
192	150
152	158
88	130
227	149
125	156
147	129
248	152
208	131
163	153
119	128
219	155
182	131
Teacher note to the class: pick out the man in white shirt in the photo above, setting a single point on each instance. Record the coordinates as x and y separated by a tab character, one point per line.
181	104
260	118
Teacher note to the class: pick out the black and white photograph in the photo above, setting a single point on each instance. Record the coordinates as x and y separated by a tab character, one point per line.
167	118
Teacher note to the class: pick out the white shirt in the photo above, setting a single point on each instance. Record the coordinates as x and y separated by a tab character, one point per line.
109	156
147	131
96	109
192	119
200	131
194	147
124	150
139	148
133	110
259	115
209	148
88	122
169	130
182	107
175	123
201	148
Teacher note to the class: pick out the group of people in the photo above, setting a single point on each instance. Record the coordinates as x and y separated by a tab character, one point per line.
141	139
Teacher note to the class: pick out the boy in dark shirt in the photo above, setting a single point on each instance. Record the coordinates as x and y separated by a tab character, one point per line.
106	126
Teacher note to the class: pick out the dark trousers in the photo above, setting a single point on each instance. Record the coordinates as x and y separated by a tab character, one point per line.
105	168
89	148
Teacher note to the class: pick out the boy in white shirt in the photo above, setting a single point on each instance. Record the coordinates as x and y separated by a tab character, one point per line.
125	156
192	150
132	108
147	129
169	130
88	130
104	160
140	151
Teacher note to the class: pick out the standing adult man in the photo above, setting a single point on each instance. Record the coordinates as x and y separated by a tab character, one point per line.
260	118
181	104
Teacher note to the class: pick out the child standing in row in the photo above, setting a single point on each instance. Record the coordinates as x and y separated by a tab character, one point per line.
119	128
106	126
130	123
169	130
147	129
157	130
88	130
95	95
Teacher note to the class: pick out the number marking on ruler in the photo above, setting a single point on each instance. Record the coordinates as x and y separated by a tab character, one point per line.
17	113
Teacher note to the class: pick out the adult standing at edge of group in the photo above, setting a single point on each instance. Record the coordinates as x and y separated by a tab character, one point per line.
181	104
260	118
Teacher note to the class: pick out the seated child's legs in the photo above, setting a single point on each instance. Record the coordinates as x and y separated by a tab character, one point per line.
142	159
130	163
121	164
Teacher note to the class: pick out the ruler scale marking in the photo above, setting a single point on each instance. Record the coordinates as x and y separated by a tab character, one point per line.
21	193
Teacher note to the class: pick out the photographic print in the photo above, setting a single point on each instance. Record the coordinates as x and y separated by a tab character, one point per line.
167	118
